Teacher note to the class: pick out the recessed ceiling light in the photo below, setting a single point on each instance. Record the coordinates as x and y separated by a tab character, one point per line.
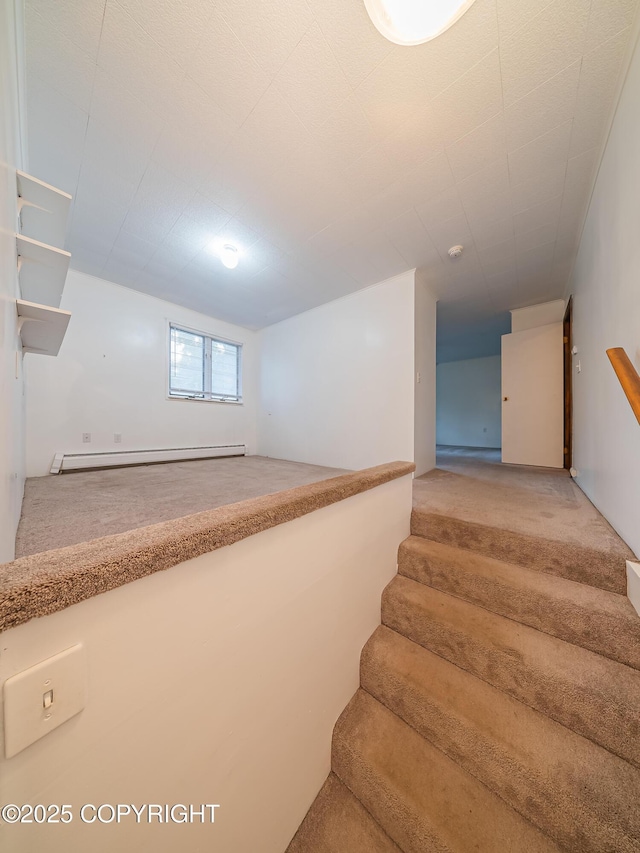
410	22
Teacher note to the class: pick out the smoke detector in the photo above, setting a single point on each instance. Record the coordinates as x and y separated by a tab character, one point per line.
455	252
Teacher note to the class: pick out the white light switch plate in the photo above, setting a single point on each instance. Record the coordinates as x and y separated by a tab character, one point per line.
62	679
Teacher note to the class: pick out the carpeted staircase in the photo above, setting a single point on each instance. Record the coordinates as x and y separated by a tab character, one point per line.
499	707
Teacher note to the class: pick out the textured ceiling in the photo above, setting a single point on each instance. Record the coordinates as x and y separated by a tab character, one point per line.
333	158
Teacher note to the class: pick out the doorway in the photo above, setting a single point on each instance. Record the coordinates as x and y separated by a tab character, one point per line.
532	389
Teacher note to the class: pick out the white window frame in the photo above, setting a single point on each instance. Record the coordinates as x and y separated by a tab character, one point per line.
209	340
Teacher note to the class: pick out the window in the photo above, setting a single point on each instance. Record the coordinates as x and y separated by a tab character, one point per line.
203	368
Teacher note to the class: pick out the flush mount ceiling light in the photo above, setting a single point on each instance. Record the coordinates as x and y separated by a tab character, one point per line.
229	256
411	22
226	252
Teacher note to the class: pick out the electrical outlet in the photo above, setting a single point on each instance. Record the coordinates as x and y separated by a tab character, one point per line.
117	437
86	437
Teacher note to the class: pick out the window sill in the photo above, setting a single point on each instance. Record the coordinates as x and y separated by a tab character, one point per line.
200	400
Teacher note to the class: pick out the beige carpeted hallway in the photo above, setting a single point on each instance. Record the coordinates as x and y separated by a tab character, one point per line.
517	512
66	509
473	485
498	701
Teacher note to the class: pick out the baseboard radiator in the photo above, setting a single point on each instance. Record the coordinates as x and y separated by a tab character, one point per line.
120	458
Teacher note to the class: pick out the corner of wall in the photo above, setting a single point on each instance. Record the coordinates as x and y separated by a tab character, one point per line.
424	429
329	410
12	144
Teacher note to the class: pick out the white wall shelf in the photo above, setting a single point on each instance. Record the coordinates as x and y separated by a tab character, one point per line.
43	209
42	328
42	271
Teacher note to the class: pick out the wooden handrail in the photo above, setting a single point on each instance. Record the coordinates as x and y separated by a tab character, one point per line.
628	376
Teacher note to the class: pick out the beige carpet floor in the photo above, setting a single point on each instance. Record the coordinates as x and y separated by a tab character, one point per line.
471	484
66	509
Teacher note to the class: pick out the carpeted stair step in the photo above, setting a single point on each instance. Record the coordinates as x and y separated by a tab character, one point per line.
592	695
578	793
338	823
604	622
602	568
424	801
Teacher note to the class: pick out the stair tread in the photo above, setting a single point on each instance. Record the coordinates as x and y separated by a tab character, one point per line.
421	798
337	822
602	621
595	696
604	568
582	795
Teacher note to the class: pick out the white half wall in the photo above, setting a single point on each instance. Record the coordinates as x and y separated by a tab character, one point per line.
217	681
468	402
12	467
111	377
606	313
633	584
338	382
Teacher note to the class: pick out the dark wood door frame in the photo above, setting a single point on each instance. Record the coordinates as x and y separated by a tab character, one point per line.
568	375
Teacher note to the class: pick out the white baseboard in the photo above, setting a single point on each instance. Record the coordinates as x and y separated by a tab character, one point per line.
118	458
633	584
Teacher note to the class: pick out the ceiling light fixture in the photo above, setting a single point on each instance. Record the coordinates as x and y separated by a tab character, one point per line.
410	22
228	256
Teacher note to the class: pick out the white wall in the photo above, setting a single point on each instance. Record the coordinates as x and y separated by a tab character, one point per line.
537	315
11	384
217	681
606	289
425	378
468	402
338	381
111	377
